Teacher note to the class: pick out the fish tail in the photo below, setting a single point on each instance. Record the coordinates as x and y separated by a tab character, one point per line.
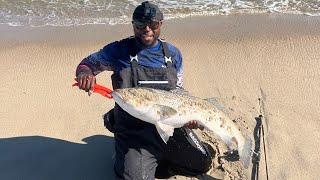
245	152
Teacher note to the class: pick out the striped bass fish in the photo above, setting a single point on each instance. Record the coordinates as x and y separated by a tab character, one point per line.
172	109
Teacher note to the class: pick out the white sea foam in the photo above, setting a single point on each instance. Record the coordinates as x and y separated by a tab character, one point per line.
80	12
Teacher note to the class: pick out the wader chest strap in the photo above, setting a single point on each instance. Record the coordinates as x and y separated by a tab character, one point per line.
167	56
134	56
134	62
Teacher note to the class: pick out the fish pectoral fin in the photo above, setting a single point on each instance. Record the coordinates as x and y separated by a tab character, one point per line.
165	111
165	131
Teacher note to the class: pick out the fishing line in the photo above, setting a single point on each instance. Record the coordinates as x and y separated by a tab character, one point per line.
264	150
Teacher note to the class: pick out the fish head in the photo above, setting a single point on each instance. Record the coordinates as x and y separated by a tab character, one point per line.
135	100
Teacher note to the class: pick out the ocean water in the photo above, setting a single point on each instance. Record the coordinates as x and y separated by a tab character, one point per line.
80	12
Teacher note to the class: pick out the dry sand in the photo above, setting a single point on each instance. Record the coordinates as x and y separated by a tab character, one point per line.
253	64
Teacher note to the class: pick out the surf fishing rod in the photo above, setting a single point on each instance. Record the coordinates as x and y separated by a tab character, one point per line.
256	156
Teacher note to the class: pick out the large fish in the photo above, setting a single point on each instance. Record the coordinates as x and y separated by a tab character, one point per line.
170	109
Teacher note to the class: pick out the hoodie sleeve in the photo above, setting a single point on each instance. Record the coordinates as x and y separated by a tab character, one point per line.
98	61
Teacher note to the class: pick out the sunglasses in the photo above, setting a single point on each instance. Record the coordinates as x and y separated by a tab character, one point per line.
152	24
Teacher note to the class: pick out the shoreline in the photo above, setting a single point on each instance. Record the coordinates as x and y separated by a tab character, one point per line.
231	25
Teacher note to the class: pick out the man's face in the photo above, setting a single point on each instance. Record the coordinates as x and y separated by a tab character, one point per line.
147	32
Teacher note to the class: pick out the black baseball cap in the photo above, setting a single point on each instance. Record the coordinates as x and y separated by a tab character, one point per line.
147	12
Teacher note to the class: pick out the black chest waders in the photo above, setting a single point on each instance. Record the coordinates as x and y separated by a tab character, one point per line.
140	151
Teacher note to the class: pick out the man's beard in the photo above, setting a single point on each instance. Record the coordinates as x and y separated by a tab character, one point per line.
147	44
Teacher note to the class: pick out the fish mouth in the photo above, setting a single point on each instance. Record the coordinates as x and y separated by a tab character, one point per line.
116	94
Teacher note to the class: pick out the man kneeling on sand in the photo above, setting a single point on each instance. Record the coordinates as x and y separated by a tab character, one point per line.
145	60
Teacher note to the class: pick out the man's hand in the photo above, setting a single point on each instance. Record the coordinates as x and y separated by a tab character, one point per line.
86	81
193	125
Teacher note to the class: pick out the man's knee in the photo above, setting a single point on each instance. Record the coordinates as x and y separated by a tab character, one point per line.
135	164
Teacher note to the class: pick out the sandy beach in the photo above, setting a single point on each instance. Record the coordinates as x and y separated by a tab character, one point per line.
255	65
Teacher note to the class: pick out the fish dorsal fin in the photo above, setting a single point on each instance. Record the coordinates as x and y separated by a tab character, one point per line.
165	111
165	131
216	103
